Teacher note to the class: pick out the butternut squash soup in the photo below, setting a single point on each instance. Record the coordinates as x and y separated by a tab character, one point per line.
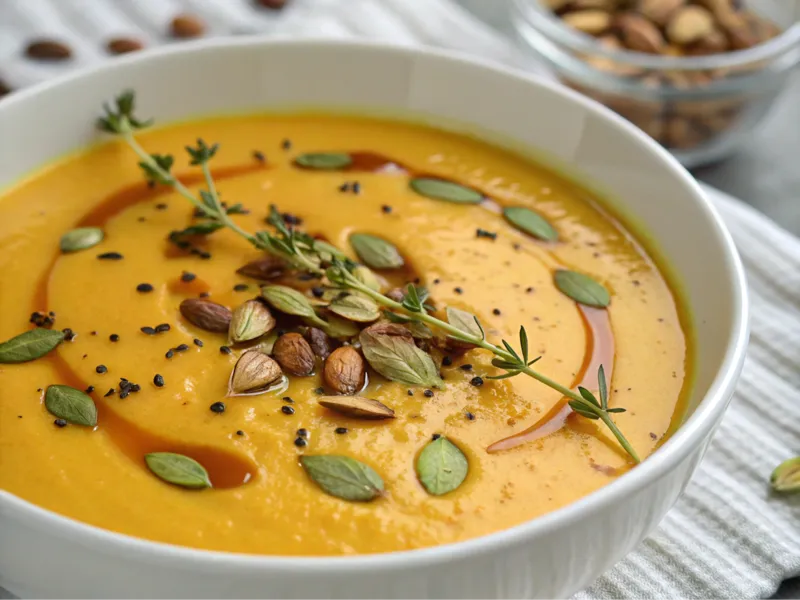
321	335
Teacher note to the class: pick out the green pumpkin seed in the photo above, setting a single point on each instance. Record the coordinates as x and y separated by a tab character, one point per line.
355	308
786	476
529	222
81	239
343	477
290	301
581	288
30	345
376	252
178	469
441	189
441	467
325	161
74	406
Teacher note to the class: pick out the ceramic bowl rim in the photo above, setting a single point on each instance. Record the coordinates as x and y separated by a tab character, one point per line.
685	440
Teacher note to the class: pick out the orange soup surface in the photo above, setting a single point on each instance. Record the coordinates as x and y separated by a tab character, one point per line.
526	452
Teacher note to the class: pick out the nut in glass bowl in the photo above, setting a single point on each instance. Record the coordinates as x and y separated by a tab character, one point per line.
696	75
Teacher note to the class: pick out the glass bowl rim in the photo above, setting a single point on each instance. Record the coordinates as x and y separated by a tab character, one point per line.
554	28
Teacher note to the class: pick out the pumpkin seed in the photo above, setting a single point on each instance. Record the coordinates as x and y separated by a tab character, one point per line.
441	467
178	469
529	222
30	345
356	308
786	476
376	252
81	239
441	189
343	477
290	301
325	161
581	288
357	407
74	406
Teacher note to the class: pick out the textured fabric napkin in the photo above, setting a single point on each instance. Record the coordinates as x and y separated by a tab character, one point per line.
727	537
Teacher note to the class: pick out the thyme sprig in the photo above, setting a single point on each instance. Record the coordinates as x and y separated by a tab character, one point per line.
303	252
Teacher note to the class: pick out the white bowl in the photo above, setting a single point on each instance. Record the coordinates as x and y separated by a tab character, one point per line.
43	554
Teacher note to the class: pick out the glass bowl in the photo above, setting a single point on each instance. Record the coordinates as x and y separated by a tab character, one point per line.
698	107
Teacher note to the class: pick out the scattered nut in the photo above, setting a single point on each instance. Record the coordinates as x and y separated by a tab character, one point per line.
345	371
263	269
48	50
254	373
123	45
187	26
294	354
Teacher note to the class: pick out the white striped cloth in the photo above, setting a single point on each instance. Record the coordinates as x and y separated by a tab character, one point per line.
727	537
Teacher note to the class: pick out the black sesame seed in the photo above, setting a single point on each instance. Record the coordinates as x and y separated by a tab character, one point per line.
482	233
447	361
109	393
147	330
470	416
225	350
466	367
436	436
113	337
60	423
300	442
162	327
198	343
341	430
259	156
101	369
92	333
320	391
187	277
144	288
142	219
345	187
240	287
181	348
239	432
410	392
458	290
287	410
529	289
386	209
170	353
217	407
286	144
161	206
203	295
496	312
39	389
158	380
291	219
288	400
356	187
302	432
428	393
318	292
476	381
110	256
123	394
88	390
204	255
135	388
69	335
437	281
